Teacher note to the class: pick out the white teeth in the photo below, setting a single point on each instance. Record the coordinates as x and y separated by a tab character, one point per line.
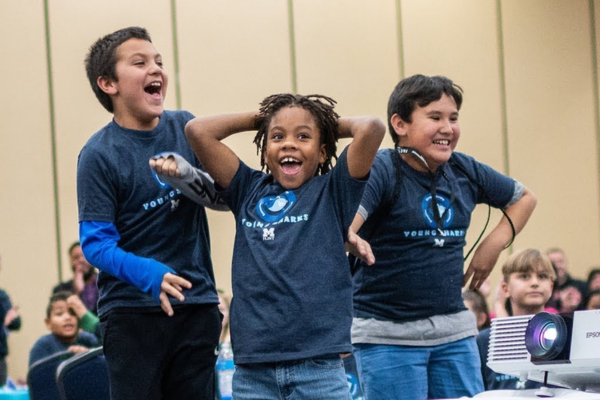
157	84
442	142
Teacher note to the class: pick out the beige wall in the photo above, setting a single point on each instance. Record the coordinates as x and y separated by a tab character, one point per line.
530	103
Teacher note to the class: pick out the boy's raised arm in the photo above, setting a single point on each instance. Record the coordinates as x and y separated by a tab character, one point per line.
205	135
368	133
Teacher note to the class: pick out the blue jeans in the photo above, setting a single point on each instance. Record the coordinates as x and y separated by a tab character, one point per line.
310	379
390	372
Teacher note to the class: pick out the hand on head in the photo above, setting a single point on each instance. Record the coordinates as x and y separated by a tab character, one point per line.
74	303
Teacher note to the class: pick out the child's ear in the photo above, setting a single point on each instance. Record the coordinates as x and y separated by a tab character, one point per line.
399	125
322	154
107	85
47	321
504	288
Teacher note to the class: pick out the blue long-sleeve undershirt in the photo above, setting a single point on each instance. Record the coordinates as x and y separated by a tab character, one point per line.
99	243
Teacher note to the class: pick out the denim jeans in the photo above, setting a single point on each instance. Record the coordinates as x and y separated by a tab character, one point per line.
389	372
310	379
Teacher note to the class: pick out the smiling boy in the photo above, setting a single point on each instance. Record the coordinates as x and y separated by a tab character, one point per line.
292	307
412	334
158	302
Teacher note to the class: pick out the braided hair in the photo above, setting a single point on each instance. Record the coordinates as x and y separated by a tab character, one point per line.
321	109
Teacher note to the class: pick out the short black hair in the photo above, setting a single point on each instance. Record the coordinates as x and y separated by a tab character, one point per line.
101	60
72	246
320	107
418	91
56	297
592	275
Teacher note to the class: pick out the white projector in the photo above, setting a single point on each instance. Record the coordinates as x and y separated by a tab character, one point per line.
559	349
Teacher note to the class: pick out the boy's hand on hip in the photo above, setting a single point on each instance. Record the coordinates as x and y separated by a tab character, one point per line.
172	285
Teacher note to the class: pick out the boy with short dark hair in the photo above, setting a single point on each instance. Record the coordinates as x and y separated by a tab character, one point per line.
158	303
528	279
413	336
292	306
64	334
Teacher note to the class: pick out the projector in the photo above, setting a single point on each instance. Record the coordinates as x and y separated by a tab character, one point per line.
558	349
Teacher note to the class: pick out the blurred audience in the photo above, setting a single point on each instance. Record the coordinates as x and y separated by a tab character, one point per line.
593	281
64	334
224	304
9	313
593	300
569	292
84	278
476	302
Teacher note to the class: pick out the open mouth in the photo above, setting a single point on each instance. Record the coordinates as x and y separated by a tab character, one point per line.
153	88
290	165
443	142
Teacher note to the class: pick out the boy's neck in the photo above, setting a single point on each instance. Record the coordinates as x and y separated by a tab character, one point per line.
129	122
521	310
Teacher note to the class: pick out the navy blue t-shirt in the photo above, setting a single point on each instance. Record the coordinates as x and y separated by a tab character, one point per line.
49	344
292	290
115	184
418	272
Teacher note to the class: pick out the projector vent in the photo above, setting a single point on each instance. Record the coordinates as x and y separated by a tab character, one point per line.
507	339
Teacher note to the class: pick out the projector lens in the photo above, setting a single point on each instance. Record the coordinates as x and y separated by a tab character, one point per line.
546	335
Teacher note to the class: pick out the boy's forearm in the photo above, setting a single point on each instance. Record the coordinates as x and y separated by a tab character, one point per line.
367	134
205	135
221	126
519	213
349	127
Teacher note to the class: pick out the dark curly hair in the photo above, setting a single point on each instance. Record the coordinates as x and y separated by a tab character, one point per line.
320	107
101	60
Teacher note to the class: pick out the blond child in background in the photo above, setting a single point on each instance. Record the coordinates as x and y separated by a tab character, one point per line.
528	279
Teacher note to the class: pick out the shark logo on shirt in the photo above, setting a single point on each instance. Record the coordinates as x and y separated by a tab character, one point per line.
445	210
272	208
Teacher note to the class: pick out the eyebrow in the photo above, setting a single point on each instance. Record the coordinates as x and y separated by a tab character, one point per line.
297	128
145	55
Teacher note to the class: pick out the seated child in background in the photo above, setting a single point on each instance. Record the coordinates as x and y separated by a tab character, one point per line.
593	300
475	301
64	331
292	307
528	279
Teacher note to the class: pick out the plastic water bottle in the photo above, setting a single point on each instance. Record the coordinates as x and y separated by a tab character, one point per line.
225	369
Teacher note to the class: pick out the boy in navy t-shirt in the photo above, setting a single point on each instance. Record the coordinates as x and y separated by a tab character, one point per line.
64	334
413	336
292	306
157	298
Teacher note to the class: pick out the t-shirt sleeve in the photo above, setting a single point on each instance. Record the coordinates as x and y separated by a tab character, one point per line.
348	190
97	183
235	193
378	183
494	188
